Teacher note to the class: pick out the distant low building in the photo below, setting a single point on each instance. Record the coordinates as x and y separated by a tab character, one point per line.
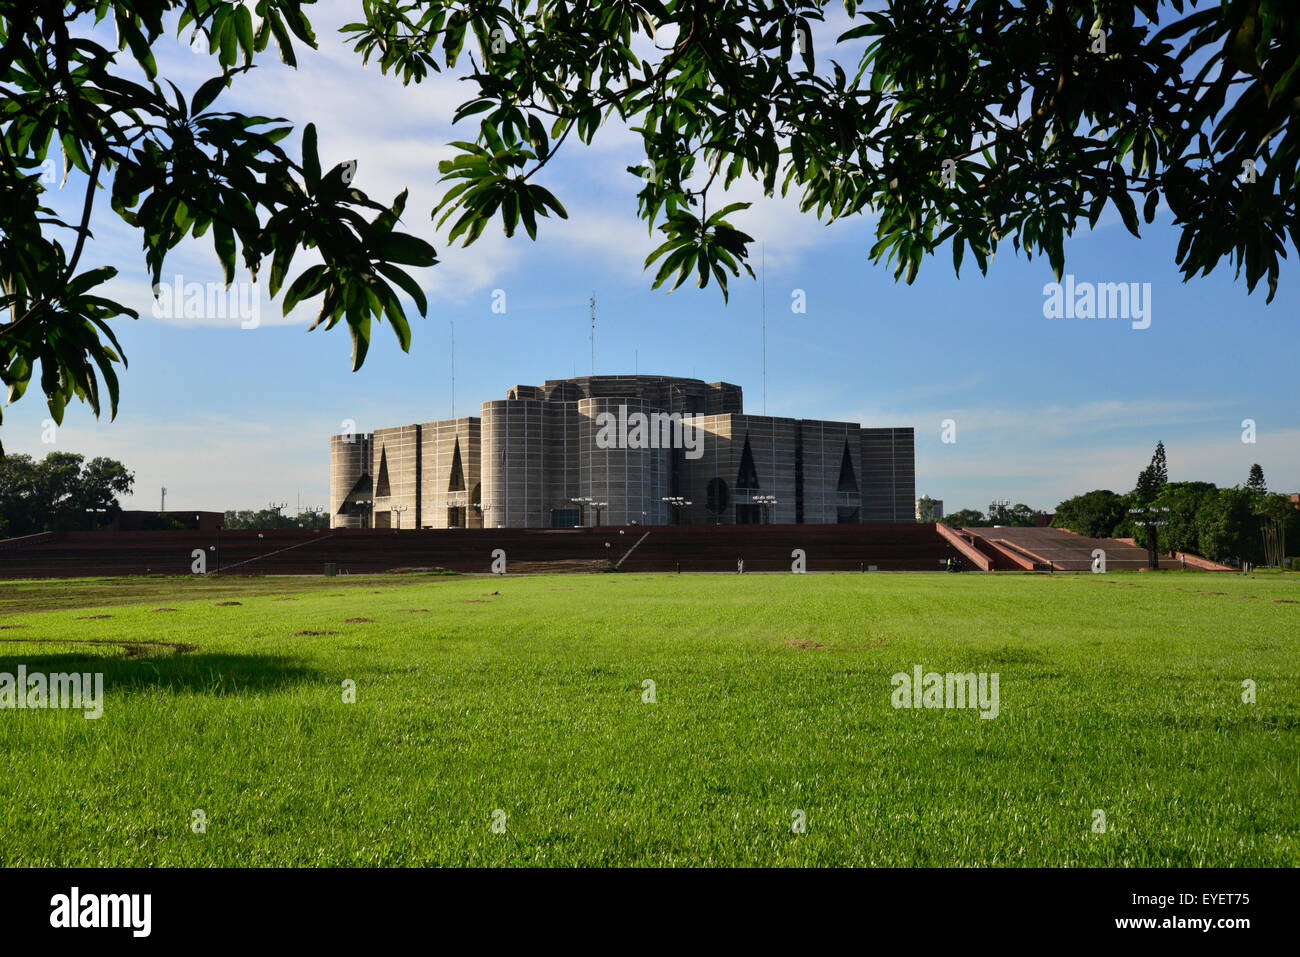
935	509
620	450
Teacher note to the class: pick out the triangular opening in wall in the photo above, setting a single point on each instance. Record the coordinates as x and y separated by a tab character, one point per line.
848	479
381	484
360	492
457	483
747	478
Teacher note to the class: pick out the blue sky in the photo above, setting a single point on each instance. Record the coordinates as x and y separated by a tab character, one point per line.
227	417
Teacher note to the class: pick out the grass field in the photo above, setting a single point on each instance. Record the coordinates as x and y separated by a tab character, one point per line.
1118	693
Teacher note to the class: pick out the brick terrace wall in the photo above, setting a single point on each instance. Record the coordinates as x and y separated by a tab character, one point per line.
298	552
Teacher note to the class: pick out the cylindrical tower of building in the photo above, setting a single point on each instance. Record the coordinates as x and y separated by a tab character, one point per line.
623	460
349	460
513	464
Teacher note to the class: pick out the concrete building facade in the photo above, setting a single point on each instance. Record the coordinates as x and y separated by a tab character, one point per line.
619	450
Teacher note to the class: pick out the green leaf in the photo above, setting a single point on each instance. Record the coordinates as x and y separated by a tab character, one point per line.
1127	211
308	284
360	330
223	239
310	158
406	249
408	284
208	92
282	41
244	31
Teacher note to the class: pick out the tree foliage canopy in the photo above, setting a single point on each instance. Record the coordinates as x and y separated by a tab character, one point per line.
1096	514
173	166
956	123
1196	517
964	124
60	492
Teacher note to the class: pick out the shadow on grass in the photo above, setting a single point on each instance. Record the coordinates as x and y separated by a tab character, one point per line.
214	674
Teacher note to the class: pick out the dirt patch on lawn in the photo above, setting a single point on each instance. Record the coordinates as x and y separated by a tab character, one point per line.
315	632
802	643
229	603
807	644
89	617
133	649
354	621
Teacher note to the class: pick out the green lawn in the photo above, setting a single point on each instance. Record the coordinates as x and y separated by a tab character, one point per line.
1120	693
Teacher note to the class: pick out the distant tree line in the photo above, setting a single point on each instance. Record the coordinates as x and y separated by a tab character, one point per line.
1241	523
269	518
61	492
999	513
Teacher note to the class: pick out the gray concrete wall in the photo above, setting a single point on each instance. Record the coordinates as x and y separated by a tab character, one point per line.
439	442
396	451
889	465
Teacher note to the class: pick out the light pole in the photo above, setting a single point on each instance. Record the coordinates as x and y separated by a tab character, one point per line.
399	509
764	502
1152	518
276	509
485	508
585	501
676	503
366	505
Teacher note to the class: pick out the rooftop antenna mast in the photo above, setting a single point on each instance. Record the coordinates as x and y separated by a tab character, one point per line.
592	303
453	368
763	251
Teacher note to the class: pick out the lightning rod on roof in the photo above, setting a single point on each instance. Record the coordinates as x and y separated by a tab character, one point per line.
592	303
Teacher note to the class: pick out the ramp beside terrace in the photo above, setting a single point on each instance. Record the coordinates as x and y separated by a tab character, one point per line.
1062	550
